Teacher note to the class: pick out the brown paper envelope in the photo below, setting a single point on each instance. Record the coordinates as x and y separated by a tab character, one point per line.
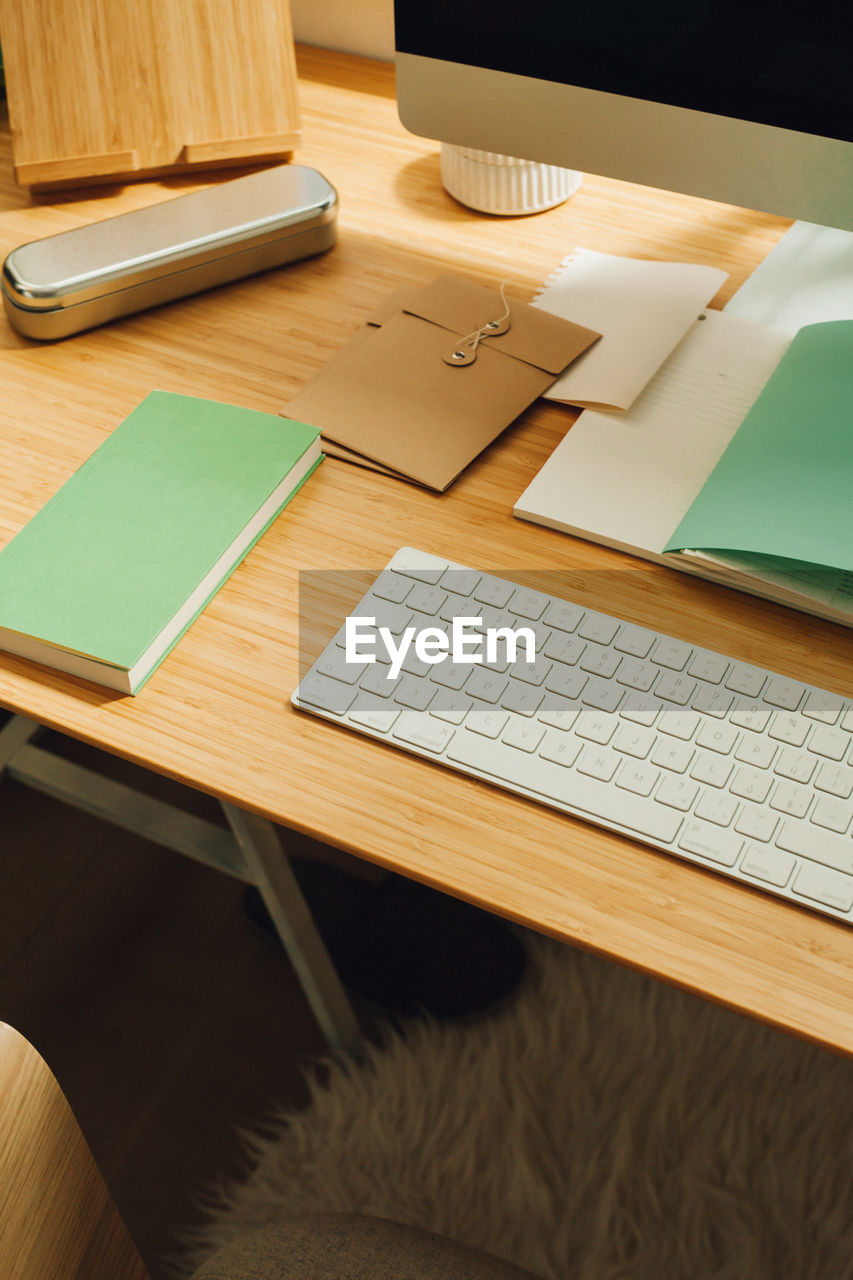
390	398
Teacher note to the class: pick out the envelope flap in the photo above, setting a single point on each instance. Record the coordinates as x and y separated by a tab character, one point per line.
538	338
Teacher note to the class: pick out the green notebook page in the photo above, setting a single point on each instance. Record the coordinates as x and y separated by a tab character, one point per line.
784	486
115	553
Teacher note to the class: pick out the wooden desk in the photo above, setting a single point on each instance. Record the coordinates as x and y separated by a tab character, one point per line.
216	714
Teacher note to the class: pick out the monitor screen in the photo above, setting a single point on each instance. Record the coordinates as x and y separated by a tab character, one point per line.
744	102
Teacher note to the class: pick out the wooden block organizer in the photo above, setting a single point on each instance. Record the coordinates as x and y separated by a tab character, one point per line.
115	89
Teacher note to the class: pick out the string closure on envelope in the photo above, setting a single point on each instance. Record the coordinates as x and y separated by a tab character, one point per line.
464	351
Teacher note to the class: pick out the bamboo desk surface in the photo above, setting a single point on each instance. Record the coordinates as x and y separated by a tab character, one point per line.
216	714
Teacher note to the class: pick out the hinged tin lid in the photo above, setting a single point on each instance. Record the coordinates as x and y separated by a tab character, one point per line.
117	253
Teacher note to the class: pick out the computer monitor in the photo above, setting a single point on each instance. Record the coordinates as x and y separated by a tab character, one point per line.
742	101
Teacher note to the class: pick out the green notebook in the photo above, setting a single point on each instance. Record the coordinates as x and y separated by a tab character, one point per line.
104	580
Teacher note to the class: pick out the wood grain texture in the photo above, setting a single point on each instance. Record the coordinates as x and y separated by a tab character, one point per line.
216	714
57	1221
107	87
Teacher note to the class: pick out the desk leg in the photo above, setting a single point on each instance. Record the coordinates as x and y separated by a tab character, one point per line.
269	869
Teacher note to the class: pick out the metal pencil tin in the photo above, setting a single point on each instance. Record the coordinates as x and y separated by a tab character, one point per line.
86	277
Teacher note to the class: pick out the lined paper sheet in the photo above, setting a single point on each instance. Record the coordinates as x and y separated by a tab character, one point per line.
627	479
641	309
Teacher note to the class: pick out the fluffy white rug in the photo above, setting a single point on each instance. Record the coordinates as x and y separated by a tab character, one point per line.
600	1127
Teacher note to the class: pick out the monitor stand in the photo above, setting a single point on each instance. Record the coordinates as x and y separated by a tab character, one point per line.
500	184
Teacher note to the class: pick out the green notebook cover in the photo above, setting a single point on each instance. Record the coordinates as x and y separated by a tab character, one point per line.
784	486
113	557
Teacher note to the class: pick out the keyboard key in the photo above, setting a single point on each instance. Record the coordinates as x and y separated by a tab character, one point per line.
711	769
640	709
392	586
831	743
333	664
719	808
756	751
635	641
565	617
524	735
452	675
563	648
452	707
636	675
566	682
835	779
638	778
815	844
493	591
485	685
596	726
603	694
791	799
787	694
528	604
598	762
562	748
751	715
414	693
711	701
600	662
531	672
711	842
833	814
598	627
326	694
634	740
795	765
460	581
770	865
746	680
717	737
828	887
757	824
679	724
675	688
752	784
825	707
379	718
418	564
425	599
420	729
677	792
490	724
672	654
708	666
789	728
523	699
672	753
559	713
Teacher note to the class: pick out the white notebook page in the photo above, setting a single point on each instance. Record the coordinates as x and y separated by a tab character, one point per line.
627	479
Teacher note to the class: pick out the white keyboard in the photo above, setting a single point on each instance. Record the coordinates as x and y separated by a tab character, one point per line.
727	765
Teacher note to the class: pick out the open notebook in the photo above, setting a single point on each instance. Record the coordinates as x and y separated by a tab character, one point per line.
736	463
